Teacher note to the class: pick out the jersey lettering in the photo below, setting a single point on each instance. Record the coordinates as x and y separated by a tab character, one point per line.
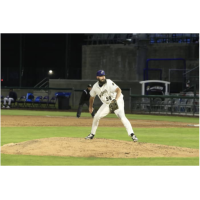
106	93
108	98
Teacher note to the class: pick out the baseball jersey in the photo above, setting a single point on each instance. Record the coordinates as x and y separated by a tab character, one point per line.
106	92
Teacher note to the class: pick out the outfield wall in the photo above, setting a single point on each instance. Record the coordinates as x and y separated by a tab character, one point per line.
135	87
78	86
127	62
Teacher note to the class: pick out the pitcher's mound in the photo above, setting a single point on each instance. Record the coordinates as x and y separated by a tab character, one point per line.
106	148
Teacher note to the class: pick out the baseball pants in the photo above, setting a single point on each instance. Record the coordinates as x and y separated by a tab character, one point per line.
8	100
104	110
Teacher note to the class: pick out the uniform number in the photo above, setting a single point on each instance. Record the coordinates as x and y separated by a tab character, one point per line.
108	98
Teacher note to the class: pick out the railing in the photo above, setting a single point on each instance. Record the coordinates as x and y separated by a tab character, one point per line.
92	39
127	38
74	99
190	71
45	84
150	104
36	88
22	91
173	38
159	104
193	88
193	77
42	83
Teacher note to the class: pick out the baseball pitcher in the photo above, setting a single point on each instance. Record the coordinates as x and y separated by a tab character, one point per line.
112	99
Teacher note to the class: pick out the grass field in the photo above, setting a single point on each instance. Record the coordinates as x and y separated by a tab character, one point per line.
72	114
181	137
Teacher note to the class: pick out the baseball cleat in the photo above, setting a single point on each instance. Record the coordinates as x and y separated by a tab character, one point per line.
90	136
3	106
133	136
8	107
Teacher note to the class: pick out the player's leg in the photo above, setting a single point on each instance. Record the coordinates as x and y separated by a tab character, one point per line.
9	102
4	103
102	112
120	113
93	113
79	110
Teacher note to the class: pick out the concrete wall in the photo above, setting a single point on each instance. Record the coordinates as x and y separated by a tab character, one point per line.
82	84
118	61
189	52
124	65
127	62
78	85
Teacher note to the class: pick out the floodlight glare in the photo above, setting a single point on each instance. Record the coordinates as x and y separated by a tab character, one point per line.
50	72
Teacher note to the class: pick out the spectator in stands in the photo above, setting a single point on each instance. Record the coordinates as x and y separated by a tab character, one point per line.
12	97
84	100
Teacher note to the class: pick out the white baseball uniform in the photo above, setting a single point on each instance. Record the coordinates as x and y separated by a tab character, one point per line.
106	94
9	100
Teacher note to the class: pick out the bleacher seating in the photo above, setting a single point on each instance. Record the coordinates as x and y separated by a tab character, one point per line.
52	102
45	101
29	100
21	101
37	101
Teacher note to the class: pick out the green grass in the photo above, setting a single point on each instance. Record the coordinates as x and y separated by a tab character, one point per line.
182	137
26	160
73	114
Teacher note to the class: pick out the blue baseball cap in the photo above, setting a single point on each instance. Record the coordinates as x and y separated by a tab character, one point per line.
101	73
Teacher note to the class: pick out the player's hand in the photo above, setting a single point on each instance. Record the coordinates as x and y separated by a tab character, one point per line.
90	110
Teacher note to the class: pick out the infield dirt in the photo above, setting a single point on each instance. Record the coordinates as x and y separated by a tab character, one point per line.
14	121
79	147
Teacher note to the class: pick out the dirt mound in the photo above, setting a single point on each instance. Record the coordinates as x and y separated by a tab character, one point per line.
105	148
14	121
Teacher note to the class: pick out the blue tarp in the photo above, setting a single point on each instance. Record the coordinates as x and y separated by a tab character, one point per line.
37	99
63	94
29	97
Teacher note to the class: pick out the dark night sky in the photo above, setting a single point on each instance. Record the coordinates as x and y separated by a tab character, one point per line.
61	53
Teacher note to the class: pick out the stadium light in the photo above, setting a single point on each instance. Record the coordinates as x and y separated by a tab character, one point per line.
50	72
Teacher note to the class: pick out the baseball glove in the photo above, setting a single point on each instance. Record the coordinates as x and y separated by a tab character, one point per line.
113	105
